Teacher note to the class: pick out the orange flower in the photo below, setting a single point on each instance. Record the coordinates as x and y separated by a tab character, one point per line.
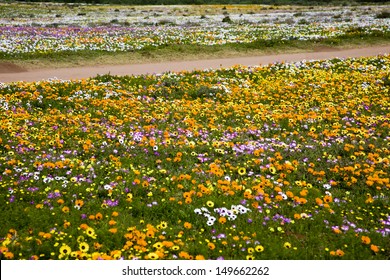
150	233
84	226
66	224
303	192
97	245
187	194
319	201
302	200
328	199
339	253
278	197
65	209
115	214
369	183
184	255
99	216
168	244
9	255
46	235
336	230
366	240
211	246
289	194
187	225
222	220
277	189
79	203
374	248
113	230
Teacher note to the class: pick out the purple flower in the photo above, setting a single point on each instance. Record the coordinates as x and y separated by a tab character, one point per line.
345	227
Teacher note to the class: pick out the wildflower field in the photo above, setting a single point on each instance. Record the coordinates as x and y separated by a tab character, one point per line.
58	31
285	161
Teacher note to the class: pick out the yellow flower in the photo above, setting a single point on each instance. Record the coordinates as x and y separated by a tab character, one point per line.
287	245
259	248
158	245
163	225
272	170
210	204
175	248
84	247
116	254
65	250
241	171
152	256
90	232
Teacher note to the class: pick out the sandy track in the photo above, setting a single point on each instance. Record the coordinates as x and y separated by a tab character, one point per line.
153	68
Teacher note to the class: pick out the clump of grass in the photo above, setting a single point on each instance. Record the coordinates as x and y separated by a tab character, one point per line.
303	21
227	19
165	22
383	15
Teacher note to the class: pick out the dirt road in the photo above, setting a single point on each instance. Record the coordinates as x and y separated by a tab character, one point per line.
12	74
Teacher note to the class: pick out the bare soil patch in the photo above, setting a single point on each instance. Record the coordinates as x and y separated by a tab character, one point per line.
324	49
8	67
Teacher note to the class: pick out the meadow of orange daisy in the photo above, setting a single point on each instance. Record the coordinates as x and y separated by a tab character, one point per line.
285	161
